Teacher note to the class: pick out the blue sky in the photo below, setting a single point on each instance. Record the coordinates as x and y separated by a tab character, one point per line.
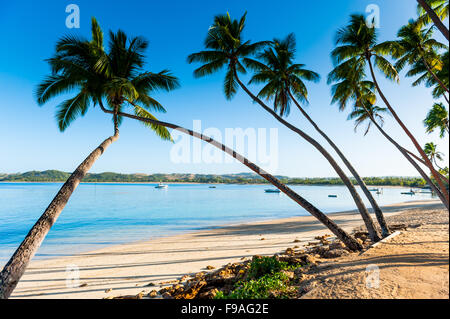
30	139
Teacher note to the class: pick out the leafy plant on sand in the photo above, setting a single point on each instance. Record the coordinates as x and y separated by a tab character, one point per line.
270	285
265	279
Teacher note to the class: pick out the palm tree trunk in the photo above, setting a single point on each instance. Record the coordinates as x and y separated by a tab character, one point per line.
14	269
373	233
412	138
437	22
444	179
377	210
406	155
350	242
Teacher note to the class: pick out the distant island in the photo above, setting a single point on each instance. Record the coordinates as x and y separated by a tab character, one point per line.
241	178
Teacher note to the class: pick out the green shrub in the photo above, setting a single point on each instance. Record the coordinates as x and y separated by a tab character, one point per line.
259	288
265	265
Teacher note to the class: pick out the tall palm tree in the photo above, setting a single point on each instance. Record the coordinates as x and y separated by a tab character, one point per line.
84	66
357	45
74	71
350	85
418	45
283	83
431	150
437	118
226	48
436	11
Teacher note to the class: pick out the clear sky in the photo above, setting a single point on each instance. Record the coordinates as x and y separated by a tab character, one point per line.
30	139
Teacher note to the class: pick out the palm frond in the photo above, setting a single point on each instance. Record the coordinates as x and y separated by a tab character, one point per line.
160	130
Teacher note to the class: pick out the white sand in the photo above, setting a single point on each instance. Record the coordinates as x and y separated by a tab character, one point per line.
127	269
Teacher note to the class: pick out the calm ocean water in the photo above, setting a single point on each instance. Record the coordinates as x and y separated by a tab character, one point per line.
107	214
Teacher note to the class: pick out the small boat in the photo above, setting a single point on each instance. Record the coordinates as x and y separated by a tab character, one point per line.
411	192
212	186
374	189
332	196
163	186
272	190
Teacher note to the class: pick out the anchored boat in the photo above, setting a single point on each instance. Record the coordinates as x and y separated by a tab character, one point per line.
272	190
161	185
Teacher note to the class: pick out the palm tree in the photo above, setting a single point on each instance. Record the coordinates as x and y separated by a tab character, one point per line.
417	45
361	115
357	45
351	86
421	70
74	70
436	11
443	75
437	118
440	7
431	150
226	47
283	83
116	77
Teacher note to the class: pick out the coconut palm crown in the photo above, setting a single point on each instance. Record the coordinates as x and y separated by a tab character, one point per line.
440	7
225	48
356	45
437	119
280	75
417	47
94	74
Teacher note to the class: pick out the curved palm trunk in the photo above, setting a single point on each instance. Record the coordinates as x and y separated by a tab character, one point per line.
373	233
412	138
444	179
437	22
348	240
406	155
377	210
14	269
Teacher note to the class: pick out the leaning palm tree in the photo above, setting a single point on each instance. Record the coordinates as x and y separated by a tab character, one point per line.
437	118
415	45
226	48
431	150
357	45
283	82
350	85
75	69
434	11
115	77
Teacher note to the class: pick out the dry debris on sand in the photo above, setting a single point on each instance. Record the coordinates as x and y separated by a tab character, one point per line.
414	264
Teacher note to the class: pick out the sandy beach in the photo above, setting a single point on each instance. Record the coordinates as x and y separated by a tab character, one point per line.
129	269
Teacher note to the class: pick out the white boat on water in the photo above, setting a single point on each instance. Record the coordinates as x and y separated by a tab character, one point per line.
160	185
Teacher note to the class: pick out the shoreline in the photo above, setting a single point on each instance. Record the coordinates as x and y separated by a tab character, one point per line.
97	247
195	183
129	268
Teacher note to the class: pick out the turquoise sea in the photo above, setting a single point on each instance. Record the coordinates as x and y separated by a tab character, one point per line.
108	214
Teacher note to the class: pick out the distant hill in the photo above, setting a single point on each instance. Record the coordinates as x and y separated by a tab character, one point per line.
241	178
